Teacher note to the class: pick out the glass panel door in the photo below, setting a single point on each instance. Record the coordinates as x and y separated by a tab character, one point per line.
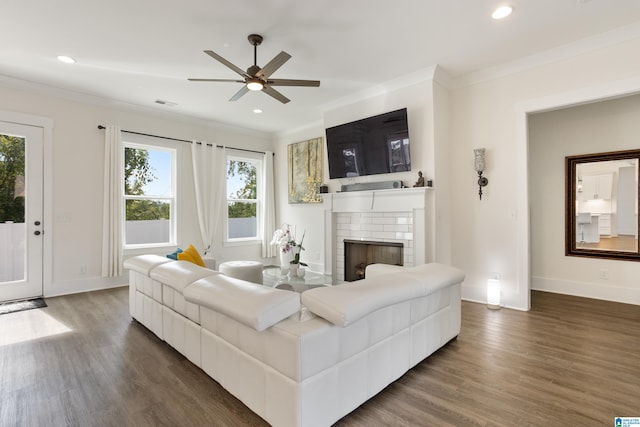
21	156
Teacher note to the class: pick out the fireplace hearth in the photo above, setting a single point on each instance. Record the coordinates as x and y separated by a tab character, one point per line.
360	253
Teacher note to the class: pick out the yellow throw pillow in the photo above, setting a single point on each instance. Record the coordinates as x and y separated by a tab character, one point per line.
191	254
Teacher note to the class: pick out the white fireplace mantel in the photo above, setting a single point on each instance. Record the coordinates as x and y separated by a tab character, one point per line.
392	200
412	201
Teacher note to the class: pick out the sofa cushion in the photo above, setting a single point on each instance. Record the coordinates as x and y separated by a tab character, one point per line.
372	270
179	274
144	263
347	303
191	254
256	306
435	276
174	255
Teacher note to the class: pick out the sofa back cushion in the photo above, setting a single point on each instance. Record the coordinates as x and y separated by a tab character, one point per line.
144	263
347	303
253	305
180	274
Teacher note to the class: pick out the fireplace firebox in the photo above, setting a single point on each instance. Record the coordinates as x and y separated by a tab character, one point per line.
360	253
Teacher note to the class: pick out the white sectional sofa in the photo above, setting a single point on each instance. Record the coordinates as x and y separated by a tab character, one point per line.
298	359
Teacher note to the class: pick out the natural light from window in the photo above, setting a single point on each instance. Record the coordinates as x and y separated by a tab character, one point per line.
243	174
29	325
149	195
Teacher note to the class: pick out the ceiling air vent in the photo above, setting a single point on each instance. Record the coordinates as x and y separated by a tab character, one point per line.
167	103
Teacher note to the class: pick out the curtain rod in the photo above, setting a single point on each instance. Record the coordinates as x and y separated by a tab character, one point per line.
101	127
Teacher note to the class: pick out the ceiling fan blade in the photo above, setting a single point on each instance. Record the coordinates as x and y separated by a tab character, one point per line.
225	62
216	80
273	65
291	82
275	94
239	93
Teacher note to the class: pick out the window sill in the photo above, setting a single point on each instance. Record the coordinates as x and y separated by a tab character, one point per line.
242	242
151	249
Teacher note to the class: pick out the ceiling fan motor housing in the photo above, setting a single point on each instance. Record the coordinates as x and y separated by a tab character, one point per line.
255	39
253	70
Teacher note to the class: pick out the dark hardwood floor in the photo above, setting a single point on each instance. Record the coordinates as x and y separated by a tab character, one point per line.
568	362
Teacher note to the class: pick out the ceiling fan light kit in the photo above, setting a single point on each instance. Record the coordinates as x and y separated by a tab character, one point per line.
256	78
255	85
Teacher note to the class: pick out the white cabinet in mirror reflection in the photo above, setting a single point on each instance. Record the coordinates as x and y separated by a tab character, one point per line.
604	224
595	187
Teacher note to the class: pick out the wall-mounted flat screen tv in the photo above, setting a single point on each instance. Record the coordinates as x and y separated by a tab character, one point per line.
371	146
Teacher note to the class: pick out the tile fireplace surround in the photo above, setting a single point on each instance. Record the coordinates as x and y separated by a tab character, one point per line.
396	215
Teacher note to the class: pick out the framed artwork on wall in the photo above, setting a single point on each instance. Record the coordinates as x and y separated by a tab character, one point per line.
306	171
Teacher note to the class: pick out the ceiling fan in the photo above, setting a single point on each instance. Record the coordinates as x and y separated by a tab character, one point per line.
256	78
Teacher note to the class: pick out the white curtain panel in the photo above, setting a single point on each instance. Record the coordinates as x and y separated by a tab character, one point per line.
112	203
268	207
209	176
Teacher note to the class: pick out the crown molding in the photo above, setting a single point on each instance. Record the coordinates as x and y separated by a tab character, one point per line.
13	83
589	44
311	126
410	79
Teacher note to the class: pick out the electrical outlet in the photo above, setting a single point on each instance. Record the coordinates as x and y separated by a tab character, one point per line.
604	274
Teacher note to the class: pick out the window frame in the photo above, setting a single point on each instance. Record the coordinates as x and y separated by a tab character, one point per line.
258	160
172	199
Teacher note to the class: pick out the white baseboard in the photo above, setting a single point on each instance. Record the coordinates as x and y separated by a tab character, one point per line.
627	232
478	294
608	292
84	285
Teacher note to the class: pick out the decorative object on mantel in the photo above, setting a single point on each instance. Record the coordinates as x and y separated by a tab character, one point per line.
479	165
306	171
289	249
420	181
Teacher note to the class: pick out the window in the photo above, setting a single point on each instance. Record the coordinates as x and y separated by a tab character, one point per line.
243	196
149	195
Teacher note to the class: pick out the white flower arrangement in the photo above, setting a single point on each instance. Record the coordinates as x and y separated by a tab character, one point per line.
285	240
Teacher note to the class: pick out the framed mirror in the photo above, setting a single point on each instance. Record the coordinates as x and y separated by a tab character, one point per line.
602	205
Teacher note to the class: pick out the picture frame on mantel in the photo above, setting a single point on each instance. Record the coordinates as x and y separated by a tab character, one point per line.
305	170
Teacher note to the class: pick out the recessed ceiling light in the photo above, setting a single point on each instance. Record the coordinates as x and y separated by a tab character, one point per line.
66	59
257	110
502	12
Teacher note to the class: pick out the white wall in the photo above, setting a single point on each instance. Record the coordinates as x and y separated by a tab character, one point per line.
418	98
77	164
612	125
307	218
492	235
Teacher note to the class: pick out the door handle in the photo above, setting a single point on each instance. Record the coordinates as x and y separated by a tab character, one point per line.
37	232
36	223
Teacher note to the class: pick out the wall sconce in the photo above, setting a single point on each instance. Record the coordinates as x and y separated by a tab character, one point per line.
579	184
493	292
479	165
